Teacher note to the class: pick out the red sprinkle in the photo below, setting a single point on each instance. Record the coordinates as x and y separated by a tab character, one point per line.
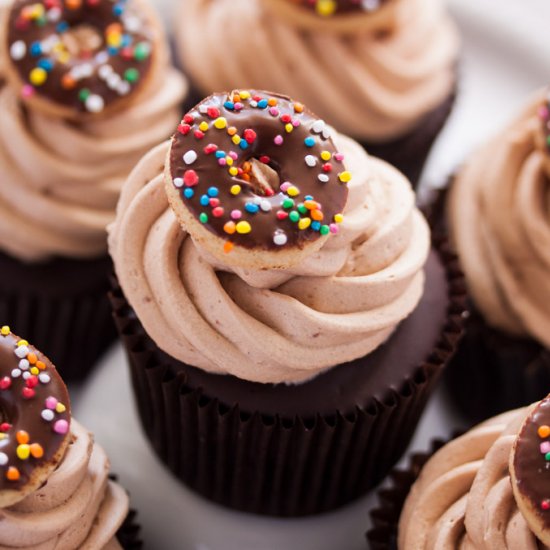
199	134
545	504
214	202
127	53
217	212
190	178
327	167
213	112
188	119
32	381
210	148
281	215
5	383
184	129
286	118
5	426
265	159
28	393
249	135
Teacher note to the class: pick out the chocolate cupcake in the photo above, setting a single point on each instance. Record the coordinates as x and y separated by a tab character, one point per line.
71	129
485	489
296	322
55	489
383	72
498	218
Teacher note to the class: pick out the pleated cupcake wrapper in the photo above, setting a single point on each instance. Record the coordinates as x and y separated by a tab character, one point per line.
128	534
492	371
391	499
273	465
67	317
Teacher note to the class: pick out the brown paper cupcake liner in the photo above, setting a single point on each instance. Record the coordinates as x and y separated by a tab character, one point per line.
272	464
391	499
489	359
60	306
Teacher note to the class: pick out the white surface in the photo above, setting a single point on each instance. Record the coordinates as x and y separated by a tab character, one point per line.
506	56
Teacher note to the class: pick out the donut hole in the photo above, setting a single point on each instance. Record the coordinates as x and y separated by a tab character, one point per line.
264	180
82	40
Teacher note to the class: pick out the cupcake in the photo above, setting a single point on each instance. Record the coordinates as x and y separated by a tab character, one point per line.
381	71
498	218
281	306
54	480
89	90
485	489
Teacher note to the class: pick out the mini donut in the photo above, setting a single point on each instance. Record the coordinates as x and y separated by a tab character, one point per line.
80	58
35	426
530	470
256	179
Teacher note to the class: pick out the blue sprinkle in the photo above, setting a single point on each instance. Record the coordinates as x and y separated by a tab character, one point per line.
308	198
36	49
118	9
46	64
213	192
229	105
309	141
251	207
126	40
315	225
262	104
112	50
188	193
243	144
219	154
62	27
205	200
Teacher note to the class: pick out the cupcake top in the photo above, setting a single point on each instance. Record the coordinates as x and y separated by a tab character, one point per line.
72	131
486	489
54	487
337	302
499	220
371	73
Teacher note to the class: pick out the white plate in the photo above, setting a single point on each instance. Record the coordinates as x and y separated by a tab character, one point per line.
506	56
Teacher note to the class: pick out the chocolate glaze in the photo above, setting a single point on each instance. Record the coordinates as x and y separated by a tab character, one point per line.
104	61
24	413
201	170
336	7
545	120
532	470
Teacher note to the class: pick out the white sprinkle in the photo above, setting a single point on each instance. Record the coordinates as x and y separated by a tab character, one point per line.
132	23
178	182
24	364
326	132
53	15
323	178
15	373
265	205
318	126
370	5
123	87
86	70
203	109
22	351
26	375
280	238
105	71
18	50
48	415
101	58
94	103
311	161
3	459
44	378
253	103
113	80
257	201
190	157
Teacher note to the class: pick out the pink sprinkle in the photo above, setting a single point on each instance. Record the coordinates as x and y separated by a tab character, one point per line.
543	112
545	447
273	111
236	214
238	106
61	427
222	162
339	157
296	123
278	140
51	403
285	186
27	90
333	228
233	155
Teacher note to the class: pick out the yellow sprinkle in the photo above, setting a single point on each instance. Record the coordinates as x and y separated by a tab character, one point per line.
292	191
289	127
5	330
220	123
35	371
38	76
3	436
344	176
23	451
114	39
325	155
304	223
203	126
236	140
235	189
338	218
37	11
60	408
326	7
22	343
244	94
233	171
63	58
229	161
243	227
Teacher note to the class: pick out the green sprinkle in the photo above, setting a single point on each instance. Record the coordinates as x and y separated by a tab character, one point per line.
142	51
294	216
547	456
302	209
288	203
203	218
131	75
84	94
324	230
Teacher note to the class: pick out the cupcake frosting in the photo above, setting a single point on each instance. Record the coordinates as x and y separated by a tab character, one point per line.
273	325
463	497
78	507
374	81
499	217
61	179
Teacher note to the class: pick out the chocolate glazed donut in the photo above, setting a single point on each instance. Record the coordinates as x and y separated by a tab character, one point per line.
256	172
35	418
79	57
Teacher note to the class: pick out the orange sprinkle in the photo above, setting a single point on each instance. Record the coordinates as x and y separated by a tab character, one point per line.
32	359
272	102
22	437
73	4
115	28
247	166
245	177
68	82
311	205
232	130
229	227
41	365
298	107
227	247
544	431
13	473
36	450
317	215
